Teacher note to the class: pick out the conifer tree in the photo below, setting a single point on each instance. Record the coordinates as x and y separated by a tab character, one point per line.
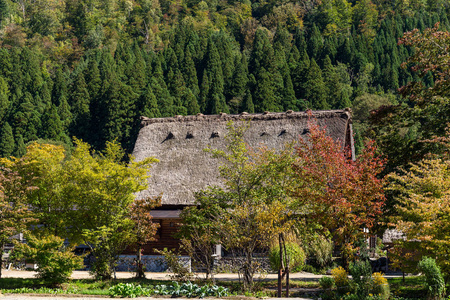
189	71
213	97
190	102
7	144
20	146
148	105
238	82
314	87
247	103
4	101
299	76
80	108
159	87
52	128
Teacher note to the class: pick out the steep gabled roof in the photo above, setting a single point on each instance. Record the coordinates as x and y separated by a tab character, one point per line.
179	144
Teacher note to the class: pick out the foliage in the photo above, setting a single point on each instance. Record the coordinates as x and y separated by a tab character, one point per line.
422	212
256	198
295	254
320	251
380	286
434	281
342	194
361	272
128	290
143	228
327	284
175	264
190	290
54	260
200	233
341	280
72	187
15	214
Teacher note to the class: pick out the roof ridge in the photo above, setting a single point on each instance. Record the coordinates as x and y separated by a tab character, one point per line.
343	113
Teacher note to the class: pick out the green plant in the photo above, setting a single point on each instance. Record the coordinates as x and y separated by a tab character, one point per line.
320	252
433	278
295	254
189	289
176	266
341	280
54	260
380	286
326	283
361	272
128	290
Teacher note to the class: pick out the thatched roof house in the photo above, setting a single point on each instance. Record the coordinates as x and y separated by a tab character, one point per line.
179	144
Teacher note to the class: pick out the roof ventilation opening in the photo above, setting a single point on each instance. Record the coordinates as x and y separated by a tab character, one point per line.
283	132
264	134
189	135
305	131
214	134
169	137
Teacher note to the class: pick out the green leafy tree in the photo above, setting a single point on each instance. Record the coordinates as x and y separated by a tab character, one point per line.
7	143
15	214
55	262
314	87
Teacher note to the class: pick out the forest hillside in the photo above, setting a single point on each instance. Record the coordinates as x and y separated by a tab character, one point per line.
91	68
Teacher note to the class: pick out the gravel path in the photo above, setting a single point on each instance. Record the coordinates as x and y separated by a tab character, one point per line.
162	276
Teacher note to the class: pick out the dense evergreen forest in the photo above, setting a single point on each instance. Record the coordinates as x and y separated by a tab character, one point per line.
90	68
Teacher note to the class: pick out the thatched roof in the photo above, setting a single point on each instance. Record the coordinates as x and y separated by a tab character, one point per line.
179	144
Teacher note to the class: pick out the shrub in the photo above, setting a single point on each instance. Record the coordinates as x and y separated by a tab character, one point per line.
296	257
380	286
320	252
55	261
434	281
361	272
341	280
176	266
326	283
189	290
129	290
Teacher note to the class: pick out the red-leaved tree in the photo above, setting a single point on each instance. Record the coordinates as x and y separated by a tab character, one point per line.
342	194
144	227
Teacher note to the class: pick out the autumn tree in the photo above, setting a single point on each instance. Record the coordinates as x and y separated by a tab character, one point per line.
253	207
144	227
15	215
342	194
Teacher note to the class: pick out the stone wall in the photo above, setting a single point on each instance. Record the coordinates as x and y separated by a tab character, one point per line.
152	263
232	264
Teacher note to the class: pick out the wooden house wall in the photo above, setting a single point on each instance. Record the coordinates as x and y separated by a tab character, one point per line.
165	238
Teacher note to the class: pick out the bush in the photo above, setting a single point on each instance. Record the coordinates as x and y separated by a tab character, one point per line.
380	286
361	272
128	290
176	266
326	283
189	290
434	281
296	257
55	262
341	280
320	252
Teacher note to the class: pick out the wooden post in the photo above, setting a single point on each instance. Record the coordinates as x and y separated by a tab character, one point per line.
287	282
280	271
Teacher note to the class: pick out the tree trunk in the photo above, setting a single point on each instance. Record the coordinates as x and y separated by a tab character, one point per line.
139	265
